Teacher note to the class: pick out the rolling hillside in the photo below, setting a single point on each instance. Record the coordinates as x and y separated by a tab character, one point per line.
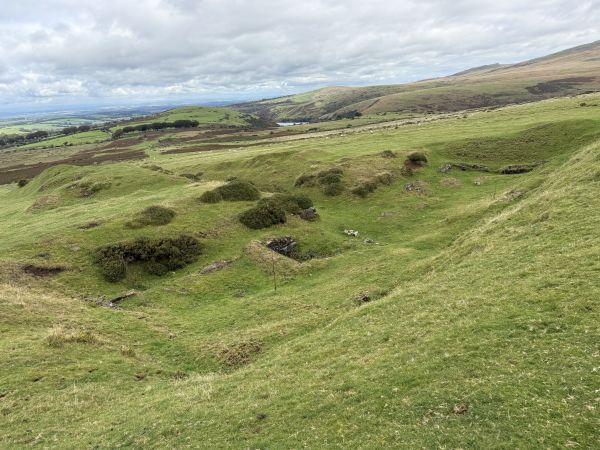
569	72
463	315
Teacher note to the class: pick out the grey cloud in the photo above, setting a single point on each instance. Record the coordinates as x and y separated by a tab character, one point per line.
161	48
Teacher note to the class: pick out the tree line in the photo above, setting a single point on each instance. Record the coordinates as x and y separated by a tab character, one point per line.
156	126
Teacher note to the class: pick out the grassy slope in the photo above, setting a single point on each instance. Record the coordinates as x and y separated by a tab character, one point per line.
478	308
207	116
470	89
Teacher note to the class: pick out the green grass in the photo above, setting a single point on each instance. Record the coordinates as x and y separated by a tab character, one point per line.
207	116
481	333
87	137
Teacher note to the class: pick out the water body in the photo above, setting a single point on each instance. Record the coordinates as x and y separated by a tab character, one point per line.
289	124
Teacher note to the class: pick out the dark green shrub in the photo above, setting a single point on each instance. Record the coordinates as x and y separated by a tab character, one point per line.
113	269
417	157
305	180
332	189
238	190
159	255
211	197
330	176
384	178
152	215
263	215
22	182
388	154
291	203
406	171
364	188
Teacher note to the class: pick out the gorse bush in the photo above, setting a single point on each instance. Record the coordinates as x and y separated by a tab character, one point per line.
305	180
417	157
291	203
235	190
265	214
158	255
152	215
211	197
364	188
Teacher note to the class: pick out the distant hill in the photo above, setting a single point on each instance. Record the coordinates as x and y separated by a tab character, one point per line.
569	72
204	115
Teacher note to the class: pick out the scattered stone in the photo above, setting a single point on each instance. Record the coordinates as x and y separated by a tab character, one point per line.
362	298
119	298
239	294
217	265
352	233
464	167
518	168
417	187
285	246
460	409
43	255
261	416
369	241
75	248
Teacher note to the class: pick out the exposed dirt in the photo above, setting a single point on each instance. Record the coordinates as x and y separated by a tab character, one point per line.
41	271
83	158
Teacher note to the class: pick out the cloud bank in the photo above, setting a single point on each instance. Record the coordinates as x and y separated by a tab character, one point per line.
126	50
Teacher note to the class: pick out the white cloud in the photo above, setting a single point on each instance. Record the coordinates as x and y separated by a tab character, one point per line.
137	49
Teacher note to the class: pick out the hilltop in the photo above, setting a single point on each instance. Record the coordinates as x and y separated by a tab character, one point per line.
569	72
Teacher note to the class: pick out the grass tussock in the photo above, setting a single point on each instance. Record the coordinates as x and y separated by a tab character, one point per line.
58	336
152	215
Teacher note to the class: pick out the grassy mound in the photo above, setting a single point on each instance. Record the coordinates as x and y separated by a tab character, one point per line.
291	203
152	215
235	190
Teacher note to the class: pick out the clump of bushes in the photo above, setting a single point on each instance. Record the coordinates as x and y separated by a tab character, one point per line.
22	182
211	197
158	255
236	190
305	180
265	214
152	215
417	157
330	181
291	203
388	154
365	187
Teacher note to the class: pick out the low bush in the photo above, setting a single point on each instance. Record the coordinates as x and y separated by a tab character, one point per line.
291	203
330	176
159	255
22	182
238	190
384	178
332	190
364	188
417	157
235	190
305	180
388	154
152	215
211	197
193	176
265	214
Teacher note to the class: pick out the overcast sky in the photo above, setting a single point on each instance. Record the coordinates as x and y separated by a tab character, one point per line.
128	51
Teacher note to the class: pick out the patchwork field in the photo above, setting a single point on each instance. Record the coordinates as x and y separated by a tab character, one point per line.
462	314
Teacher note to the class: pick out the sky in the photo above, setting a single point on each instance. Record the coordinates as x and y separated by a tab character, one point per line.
125	52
